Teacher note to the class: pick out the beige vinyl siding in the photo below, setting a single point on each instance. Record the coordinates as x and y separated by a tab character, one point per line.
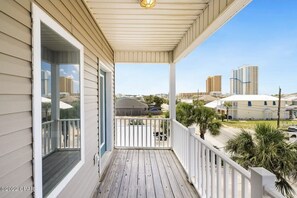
15	98
16	151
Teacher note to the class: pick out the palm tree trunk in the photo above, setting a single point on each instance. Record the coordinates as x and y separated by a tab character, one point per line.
202	135
227	114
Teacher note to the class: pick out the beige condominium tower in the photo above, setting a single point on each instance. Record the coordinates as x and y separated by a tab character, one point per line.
244	81
214	84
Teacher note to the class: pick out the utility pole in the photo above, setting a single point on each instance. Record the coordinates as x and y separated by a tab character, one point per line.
279	105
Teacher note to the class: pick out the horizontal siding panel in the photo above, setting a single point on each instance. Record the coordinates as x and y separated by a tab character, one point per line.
14	85
90	69
14	47
91	76
25	3
90	91
15	140
12	66
16	11
15	159
58	16
91	99
16	178
91	107
92	23
79	21
15	29
90	84
15	122
14	103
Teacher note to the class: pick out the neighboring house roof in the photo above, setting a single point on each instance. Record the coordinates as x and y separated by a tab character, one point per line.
207	98
250	98
126	103
215	104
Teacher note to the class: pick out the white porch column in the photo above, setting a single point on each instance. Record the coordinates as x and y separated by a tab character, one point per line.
55	106
172	91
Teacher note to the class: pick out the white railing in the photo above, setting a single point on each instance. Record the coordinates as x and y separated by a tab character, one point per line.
142	132
271	192
212	172
47	138
66	137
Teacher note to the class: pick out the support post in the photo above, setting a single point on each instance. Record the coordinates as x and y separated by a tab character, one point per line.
190	153
172	100
172	91
260	178
55	106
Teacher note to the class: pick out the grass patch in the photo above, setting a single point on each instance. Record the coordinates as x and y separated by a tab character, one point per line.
250	124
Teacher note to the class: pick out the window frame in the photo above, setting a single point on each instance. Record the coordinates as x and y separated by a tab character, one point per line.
38	16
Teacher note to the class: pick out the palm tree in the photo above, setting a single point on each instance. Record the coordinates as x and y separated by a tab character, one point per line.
206	118
227	105
184	113
267	148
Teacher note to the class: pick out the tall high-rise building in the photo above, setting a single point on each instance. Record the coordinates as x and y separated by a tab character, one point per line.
244	81
214	84
66	84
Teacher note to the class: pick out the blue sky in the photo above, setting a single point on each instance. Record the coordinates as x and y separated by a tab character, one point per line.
263	34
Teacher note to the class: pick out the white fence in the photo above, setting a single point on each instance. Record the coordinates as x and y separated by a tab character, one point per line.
142	132
67	135
212	172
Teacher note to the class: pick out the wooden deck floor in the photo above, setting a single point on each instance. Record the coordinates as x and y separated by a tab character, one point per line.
145	173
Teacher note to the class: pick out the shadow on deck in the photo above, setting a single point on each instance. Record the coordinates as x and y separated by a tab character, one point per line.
145	173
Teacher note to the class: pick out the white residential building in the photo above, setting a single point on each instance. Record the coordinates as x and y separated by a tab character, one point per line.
253	107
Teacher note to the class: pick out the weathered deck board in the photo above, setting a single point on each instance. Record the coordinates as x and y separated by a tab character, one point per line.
145	173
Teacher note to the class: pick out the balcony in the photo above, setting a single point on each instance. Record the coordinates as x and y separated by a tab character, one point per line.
157	157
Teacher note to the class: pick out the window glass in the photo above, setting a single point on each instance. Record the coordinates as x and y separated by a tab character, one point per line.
274	103
60	93
249	103
265	102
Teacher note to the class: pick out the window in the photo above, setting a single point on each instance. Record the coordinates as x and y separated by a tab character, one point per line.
249	103
58	105
265	103
273	103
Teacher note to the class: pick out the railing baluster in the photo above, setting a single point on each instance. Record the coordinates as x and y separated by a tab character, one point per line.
226	180
203	171
73	135
64	133
151	133
207	174
125	135
234	183
243	187
213	172
199	167
219	172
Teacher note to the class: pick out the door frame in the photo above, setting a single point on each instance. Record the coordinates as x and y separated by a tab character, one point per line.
109	121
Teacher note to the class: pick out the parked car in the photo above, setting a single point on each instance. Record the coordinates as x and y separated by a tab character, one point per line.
160	135
292	128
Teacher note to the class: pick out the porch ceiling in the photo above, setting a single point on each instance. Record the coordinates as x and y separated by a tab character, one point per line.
128	26
172	26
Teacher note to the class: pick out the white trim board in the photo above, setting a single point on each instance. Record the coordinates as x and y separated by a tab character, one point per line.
109	114
38	16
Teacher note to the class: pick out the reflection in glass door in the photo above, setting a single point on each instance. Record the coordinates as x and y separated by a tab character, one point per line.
102	113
